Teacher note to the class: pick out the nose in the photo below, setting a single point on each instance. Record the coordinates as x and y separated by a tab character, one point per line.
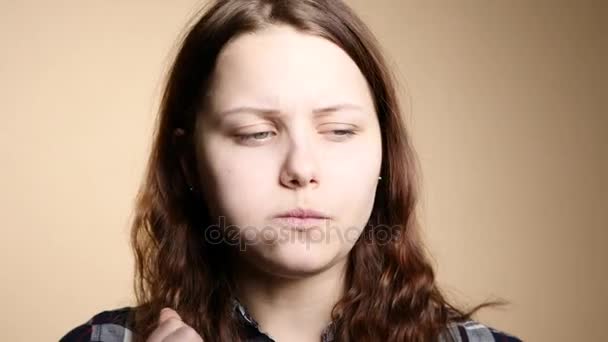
300	168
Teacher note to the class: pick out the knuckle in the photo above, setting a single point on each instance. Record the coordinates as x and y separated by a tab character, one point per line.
189	334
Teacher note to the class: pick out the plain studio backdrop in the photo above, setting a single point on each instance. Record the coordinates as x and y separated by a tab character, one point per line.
509	118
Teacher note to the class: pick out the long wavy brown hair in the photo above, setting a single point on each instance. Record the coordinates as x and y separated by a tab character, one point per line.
391	292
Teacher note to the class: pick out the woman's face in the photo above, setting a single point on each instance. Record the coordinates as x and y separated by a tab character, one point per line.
290	123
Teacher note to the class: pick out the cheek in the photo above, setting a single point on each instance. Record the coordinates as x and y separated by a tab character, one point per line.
354	179
241	181
357	166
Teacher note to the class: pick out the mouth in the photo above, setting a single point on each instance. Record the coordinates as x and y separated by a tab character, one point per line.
302	213
300	224
301	219
298	221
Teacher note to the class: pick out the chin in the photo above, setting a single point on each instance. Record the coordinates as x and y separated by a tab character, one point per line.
298	260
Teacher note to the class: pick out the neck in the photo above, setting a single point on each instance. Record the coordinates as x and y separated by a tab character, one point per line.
294	308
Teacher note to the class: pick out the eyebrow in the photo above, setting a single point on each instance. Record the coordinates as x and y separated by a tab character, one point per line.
275	112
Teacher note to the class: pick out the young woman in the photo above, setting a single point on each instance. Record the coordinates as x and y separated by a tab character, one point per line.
279	203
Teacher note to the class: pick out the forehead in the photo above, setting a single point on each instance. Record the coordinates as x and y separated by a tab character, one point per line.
281	67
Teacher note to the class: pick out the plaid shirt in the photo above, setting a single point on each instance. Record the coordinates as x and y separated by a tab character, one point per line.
116	326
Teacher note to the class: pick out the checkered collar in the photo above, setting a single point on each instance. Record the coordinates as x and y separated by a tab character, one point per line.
258	335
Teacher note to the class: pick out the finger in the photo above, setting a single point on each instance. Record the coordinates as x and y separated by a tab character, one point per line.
167	313
183	334
165	329
169	321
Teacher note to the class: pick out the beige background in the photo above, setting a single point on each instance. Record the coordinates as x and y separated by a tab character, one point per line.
509	119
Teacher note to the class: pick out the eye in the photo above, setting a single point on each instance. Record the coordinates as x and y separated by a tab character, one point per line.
343	132
255	137
340	134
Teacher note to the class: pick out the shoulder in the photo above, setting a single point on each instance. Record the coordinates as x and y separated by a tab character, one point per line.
474	331
107	326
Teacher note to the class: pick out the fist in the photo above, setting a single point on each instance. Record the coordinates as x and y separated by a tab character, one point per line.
171	328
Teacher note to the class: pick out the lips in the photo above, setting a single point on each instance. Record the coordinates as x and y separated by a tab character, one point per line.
301	218
302	213
300	224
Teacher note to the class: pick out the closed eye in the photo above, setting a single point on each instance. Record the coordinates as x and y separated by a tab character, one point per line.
265	135
344	132
258	136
